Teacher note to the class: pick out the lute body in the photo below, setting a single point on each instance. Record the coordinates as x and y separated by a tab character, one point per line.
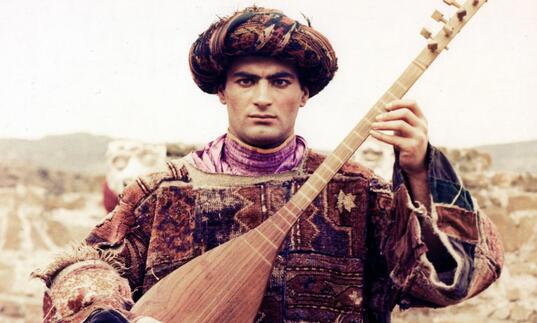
227	283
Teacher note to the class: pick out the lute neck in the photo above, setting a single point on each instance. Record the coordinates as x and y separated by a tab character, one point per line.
288	215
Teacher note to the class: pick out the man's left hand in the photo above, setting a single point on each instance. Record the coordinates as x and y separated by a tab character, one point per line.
409	126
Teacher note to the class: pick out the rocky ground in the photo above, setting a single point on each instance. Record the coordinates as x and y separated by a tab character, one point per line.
42	211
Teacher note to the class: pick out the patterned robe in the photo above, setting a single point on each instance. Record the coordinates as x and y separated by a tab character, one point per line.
355	253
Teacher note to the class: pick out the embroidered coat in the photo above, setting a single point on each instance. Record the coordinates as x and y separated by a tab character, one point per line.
354	254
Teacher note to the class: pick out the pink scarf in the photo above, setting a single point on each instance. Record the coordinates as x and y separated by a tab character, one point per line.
229	156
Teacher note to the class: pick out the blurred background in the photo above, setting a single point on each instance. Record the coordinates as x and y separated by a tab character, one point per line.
94	92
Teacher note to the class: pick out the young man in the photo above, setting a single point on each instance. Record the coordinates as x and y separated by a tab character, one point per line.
358	250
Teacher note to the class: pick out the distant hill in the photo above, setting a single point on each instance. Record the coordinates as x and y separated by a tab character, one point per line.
84	153
78	152
518	156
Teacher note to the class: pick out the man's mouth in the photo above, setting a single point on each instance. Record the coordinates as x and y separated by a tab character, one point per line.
262	116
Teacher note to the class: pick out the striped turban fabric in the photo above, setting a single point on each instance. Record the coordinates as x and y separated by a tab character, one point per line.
257	31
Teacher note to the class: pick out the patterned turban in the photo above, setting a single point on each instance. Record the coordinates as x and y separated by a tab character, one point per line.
257	31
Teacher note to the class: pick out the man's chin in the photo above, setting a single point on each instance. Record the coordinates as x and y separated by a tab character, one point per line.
265	141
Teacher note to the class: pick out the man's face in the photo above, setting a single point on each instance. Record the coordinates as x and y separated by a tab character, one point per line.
263	96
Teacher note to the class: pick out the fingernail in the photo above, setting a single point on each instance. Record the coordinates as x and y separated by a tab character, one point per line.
380	116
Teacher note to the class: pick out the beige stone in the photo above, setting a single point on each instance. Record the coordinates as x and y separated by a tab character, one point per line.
482	198
468	160
62	235
523	267
513	294
521	313
11	309
531	258
526	182
6	275
512	235
33	312
501	179
499	198
474	181
502	313
522	201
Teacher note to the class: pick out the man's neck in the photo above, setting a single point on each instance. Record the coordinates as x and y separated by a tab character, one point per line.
261	150
228	155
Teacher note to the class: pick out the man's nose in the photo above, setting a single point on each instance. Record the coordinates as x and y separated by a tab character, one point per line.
263	96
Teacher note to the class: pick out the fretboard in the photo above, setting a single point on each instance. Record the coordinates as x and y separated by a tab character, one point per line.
288	215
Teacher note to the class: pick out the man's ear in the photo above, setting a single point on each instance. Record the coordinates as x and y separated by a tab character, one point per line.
221	95
305	96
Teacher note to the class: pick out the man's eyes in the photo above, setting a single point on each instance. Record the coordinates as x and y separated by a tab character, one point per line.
245	82
280	83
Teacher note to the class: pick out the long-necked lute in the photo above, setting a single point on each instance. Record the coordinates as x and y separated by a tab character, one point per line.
227	283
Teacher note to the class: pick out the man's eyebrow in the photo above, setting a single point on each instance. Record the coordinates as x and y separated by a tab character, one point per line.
283	74
245	75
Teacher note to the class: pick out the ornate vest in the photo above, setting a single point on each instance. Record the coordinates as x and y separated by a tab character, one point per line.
319	272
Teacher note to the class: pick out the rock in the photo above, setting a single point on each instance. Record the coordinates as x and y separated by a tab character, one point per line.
531	258
520	313
502	313
522	201
468	160
513	294
474	181
34	312
527	182
501	179
6	274
512	236
70	201
521	267
178	150
11	309
53	181
498	198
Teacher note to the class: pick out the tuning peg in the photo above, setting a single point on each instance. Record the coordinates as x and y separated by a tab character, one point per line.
448	30
425	33
452	3
438	16
461	13
432	45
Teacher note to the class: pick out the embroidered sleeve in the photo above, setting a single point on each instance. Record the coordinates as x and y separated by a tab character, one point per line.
470	256
84	287
106	271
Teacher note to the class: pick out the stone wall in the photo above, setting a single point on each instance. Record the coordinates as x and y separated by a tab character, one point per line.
43	211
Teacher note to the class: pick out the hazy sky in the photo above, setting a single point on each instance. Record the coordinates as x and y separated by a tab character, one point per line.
120	68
